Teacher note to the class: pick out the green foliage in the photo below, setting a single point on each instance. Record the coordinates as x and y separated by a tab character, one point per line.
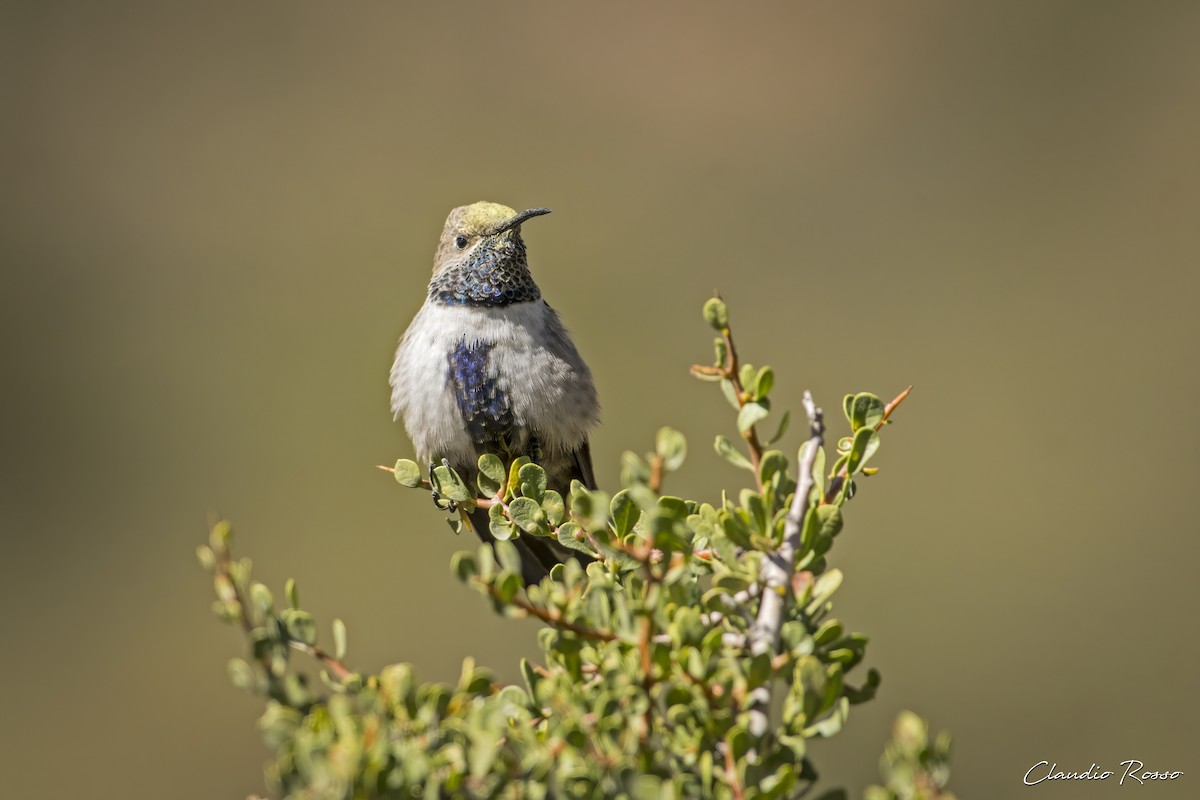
913	767
678	663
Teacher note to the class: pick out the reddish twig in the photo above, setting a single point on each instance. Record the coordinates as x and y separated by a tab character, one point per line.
731	776
733	374
553	617
731	371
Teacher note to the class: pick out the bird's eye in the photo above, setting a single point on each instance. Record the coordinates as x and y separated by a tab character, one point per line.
460	242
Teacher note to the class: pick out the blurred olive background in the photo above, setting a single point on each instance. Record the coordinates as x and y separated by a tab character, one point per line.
218	218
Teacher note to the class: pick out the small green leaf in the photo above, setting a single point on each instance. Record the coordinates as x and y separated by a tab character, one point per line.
261	598
242	675
491	475
837	466
701	525
866	411
746	376
783	426
407	473
825	586
759	669
634	471
720	351
867	691
300	626
828	632
736	530
731	583
224	588
555	508
571	535
671	447
731	395
463	565
226	611
293	594
514	470
673	508
339	639
624	512
581	500
726	450
752	502
498	524
716	313
649	787
829	519
509	558
750	415
589	508
486	558
449	484
509	585
763	382
220	537
773	462
527	514
206	558
531	676
797	746
239	573
532	480
738	741
866	442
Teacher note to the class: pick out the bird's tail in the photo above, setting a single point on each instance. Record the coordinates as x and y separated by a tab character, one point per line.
538	554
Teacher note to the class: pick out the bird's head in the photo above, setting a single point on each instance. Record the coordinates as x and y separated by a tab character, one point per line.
481	258
481	232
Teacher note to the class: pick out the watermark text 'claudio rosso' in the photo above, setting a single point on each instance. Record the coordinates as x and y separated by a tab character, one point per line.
1132	772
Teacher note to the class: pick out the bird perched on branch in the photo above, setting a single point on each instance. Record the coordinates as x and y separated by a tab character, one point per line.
486	367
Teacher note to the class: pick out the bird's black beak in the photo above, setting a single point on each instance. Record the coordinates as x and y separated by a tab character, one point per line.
518	219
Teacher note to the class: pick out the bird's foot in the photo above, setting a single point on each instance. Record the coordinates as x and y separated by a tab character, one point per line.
441	503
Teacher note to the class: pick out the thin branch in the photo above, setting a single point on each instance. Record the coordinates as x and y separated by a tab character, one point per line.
656	474
736	603
731	371
325	657
731	776
733	374
776	573
643	555
645	646
425	484
553	617
645	643
646	634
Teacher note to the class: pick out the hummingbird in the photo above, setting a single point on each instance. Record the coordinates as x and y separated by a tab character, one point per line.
486	366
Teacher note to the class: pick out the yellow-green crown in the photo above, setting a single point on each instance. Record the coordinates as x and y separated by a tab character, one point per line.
479	218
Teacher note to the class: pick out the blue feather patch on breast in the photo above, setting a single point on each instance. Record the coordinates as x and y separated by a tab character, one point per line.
482	404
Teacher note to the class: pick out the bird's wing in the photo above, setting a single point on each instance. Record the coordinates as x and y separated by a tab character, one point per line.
582	465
